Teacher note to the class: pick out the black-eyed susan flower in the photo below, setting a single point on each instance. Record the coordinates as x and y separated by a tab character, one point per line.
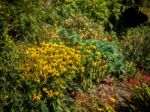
37	96
94	64
98	53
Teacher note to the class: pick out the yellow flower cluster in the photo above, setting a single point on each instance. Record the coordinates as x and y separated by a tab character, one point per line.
50	93
96	60
54	64
100	63
92	47
50	59
88	51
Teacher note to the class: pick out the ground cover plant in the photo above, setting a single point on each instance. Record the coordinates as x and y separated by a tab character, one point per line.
73	56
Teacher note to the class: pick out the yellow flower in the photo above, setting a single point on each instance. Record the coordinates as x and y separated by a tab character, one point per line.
99	62
37	80
109	108
37	97
50	94
83	69
94	64
100	110
74	68
56	93
62	86
70	62
45	90
88	51
64	69
113	100
93	47
55	74
98	53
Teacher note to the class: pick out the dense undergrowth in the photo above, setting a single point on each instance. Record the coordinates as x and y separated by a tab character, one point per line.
50	50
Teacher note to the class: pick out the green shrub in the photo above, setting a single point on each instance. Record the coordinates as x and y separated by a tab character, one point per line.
117	63
50	72
46	71
85	27
136	46
9	61
93	63
100	10
22	19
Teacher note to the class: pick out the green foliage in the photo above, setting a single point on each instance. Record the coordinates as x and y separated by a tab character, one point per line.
139	102
117	63
100	10
93	63
111	50
9	60
85	27
22	19
136	46
29	20
37	81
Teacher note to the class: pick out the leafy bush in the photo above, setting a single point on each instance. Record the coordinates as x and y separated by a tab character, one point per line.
47	70
31	21
9	61
23	19
100	10
117	63
52	70
111	50
85	27
136	46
